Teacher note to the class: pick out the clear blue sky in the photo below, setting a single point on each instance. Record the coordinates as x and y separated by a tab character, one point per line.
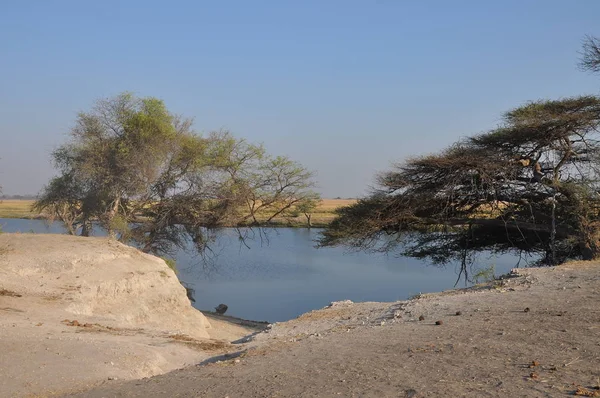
345	87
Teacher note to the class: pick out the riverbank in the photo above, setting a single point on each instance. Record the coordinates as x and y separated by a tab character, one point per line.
320	217
89	313
533	334
78	311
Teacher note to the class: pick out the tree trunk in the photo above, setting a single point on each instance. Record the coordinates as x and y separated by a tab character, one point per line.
111	215
308	216
85	228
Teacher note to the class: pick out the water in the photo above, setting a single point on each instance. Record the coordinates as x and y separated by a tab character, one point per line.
287	276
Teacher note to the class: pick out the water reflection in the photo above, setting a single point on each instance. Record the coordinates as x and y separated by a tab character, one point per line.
281	274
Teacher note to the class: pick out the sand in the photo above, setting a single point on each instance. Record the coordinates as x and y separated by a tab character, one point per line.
534	333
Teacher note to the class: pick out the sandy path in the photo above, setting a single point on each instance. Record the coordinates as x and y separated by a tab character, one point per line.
533	335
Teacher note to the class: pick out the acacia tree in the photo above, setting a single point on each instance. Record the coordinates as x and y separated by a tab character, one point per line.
590	59
275	187
307	207
146	177
530	185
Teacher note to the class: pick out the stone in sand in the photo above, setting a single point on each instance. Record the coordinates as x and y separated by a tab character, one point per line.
221	309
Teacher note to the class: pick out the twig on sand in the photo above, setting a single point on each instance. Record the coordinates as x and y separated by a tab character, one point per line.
572	362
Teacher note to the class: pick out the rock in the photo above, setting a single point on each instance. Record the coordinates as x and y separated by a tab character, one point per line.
439	322
526	309
221	309
458	313
340	303
421	318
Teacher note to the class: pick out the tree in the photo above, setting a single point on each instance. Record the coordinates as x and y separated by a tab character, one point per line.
306	207
530	185
116	151
590	59
143	174
277	185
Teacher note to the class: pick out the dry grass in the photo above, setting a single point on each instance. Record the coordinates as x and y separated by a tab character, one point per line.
329	205
202	345
16	209
323	214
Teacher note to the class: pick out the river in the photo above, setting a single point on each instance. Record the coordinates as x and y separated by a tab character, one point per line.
283	276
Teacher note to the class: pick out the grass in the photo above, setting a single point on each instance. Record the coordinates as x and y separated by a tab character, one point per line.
320	217
323	214
16	209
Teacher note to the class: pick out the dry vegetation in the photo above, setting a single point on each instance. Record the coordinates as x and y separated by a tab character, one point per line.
16	209
322	215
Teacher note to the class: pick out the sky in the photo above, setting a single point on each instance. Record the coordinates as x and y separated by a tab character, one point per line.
346	87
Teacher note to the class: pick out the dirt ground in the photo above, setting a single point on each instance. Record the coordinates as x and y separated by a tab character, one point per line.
535	334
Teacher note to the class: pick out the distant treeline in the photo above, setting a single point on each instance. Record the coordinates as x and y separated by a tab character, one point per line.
18	197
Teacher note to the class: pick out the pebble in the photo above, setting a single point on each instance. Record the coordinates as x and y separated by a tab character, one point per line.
410	393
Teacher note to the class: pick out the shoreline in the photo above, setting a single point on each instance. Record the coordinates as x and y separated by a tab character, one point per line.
533	333
281	224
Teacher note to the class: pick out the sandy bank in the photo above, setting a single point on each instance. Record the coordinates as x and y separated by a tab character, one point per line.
536	334
78	311
91	313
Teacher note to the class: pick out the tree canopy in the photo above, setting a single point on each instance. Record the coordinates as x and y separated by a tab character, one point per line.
590	58
143	174
530	185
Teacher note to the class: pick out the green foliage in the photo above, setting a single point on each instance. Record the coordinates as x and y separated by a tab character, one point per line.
308	205
530	185
294	213
120	225
484	274
171	263
146	177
